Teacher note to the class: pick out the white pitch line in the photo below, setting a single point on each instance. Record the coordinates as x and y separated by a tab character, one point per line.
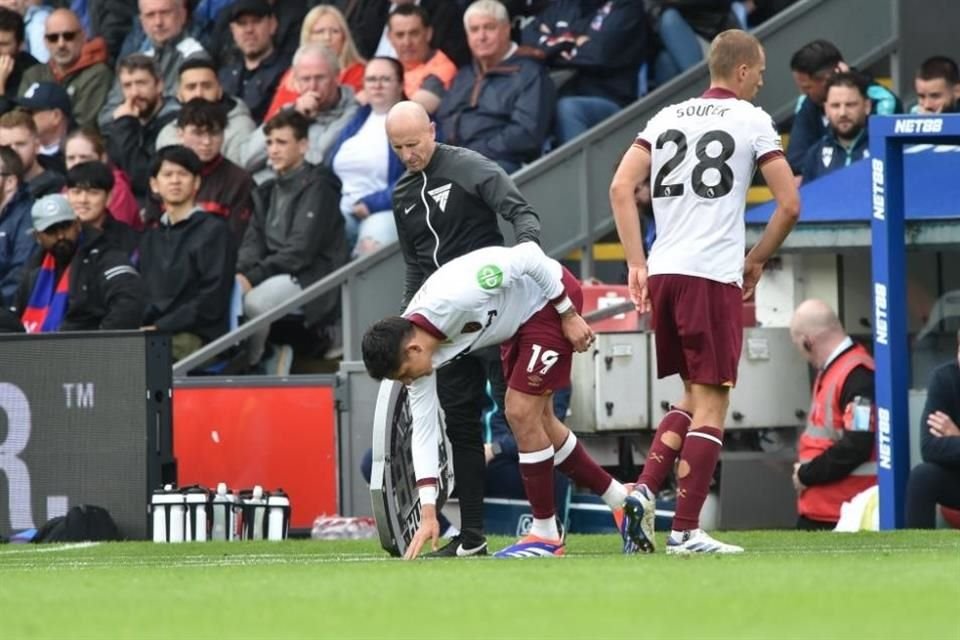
32	548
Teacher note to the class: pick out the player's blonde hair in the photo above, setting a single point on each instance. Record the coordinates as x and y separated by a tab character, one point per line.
729	50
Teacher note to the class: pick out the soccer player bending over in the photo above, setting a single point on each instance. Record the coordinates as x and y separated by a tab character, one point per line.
700	156
528	303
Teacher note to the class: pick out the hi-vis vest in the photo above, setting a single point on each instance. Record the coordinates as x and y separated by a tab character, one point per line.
825	427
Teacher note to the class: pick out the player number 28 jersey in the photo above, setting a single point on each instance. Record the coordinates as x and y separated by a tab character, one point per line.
704	152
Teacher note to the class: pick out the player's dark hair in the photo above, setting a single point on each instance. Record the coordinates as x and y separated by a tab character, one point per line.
90	175
939	67
382	346
178	155
816	56
850	79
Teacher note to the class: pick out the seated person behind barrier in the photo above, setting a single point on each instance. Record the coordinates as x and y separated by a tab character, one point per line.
937	479
604	45
86	145
427	72
366	165
226	189
187	258
937	83
89	186
500	105
16	241
836	451
847	107
812	65
19	131
296	234
78	281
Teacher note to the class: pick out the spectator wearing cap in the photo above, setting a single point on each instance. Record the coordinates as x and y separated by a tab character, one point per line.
132	134
34	15
326	104
77	64
198	79
166	41
86	145
14	61
211	23
50	106
254	78
89	188
16	230
225	188
187	259
19	131
78	281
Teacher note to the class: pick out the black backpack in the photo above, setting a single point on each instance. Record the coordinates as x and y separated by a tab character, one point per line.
82	523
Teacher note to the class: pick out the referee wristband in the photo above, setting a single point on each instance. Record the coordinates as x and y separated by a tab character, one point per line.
428	494
564	305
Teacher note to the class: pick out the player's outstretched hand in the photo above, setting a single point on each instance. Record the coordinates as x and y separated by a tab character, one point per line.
637	283
429	530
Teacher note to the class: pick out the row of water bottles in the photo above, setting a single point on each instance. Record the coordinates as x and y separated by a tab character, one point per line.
197	514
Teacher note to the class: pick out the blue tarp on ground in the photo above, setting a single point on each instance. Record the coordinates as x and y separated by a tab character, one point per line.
932	188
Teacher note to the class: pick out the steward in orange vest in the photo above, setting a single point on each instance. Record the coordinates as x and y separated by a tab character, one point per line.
837	450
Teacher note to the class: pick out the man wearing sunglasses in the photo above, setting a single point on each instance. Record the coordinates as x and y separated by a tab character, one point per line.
77	64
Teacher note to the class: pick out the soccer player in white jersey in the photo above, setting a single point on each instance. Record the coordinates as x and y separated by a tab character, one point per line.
529	304
700	156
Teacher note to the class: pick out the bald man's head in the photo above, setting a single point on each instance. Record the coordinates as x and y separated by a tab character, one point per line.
816	330
412	135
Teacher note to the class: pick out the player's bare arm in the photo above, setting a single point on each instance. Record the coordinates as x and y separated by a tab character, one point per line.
576	330
634	170
779	179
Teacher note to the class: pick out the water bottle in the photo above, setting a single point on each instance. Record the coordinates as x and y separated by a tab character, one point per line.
253	508
167	509
223	516
278	515
195	500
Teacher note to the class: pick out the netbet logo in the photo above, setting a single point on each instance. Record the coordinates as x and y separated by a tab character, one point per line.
918	125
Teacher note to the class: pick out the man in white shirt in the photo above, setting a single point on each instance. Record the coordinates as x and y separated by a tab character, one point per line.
528	302
700	156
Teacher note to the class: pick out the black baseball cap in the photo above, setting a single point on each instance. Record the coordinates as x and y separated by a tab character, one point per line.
41	96
259	8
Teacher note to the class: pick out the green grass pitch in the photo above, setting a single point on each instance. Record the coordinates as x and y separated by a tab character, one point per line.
809	586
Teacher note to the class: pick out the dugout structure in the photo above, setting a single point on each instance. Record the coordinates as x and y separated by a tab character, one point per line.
888	137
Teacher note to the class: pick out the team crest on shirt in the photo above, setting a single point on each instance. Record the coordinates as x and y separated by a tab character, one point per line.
826	155
440	195
471	327
489	277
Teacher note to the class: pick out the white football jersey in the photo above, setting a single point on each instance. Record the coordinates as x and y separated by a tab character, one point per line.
477	300
704	152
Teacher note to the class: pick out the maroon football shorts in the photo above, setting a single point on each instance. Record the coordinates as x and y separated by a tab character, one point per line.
537	360
698	324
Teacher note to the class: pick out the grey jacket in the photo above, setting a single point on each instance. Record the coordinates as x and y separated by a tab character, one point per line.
323	134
